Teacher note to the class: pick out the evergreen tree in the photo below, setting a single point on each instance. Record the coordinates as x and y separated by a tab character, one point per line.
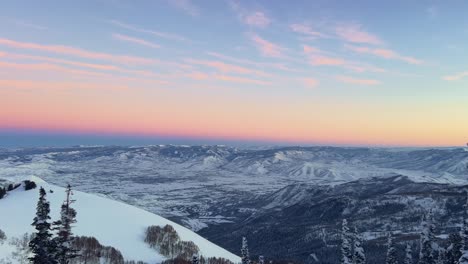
346	249
2	192
245	252
408	254
454	250
441	256
391	251
358	257
195	259
464	235
42	246
63	227
261	260
426	254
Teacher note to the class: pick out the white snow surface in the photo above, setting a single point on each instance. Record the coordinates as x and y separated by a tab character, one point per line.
113	223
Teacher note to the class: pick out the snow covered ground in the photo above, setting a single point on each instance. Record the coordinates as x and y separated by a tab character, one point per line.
201	186
113	223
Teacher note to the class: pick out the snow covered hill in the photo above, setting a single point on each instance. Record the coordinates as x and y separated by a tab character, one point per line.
113	223
199	186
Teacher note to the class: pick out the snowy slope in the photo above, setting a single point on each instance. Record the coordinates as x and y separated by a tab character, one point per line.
113	223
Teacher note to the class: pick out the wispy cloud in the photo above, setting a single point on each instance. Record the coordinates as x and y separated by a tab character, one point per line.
456	77
354	32
197	75
46	67
237	79
135	40
306	30
226	67
77	52
187	6
257	19
95	66
310	82
148	31
234	59
267	48
56	64
351	80
324	60
254	18
54	85
317	57
29	25
311	50
384	53
278	66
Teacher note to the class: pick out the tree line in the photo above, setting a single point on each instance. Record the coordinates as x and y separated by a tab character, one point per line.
430	252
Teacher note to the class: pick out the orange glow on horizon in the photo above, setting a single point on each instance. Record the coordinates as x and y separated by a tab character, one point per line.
39	106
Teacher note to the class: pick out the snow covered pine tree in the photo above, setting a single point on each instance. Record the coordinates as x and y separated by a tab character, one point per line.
63	227
426	254
195	259
408	254
346	249
464	234
358	257
454	250
245	252
42	246
391	251
261	260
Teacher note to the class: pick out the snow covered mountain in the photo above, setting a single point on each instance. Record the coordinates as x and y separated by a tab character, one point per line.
194	184
266	194
112	223
300	220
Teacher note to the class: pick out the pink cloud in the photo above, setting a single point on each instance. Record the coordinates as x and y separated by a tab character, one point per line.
49	85
267	48
227	68
135	40
60	61
360	68
310	82
305	30
456	77
309	49
355	33
233	59
53	65
323	60
351	80
197	76
316	58
45	67
257	19
383	53
278	66
76	52
237	79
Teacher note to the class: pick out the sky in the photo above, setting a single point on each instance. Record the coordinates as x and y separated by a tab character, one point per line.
354	73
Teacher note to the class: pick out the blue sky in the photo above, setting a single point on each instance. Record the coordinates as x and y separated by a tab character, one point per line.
328	72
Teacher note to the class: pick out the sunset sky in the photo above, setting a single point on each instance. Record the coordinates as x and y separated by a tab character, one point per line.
383	73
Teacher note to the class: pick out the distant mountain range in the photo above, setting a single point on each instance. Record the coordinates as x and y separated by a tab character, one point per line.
286	200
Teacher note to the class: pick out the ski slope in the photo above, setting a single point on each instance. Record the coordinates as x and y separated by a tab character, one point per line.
113	223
